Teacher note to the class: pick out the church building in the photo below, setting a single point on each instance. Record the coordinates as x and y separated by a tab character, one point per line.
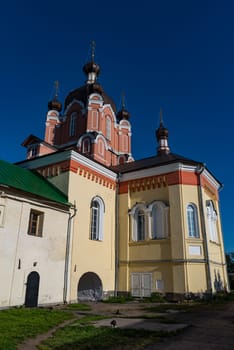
139	226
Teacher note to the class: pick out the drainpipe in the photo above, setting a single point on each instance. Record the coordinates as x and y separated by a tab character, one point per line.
67	255
117	234
199	171
224	262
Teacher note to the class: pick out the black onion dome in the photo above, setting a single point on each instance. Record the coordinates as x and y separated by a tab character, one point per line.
161	132
91	67
55	105
82	94
123	114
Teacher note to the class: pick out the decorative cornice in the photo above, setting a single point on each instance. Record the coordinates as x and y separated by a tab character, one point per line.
181	175
69	155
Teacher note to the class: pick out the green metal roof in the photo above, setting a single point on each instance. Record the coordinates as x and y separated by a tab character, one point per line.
29	181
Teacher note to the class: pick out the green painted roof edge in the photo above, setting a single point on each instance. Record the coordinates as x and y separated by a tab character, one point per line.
30	181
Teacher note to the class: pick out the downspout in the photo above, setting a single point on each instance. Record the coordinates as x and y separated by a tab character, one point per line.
199	172
117	235
224	262
67	255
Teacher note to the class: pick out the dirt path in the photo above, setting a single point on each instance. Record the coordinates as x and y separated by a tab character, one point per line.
211	328
31	344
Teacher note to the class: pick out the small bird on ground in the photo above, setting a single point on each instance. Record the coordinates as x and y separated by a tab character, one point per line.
113	323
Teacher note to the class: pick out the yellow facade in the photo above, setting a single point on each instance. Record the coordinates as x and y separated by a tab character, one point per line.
89	255
178	264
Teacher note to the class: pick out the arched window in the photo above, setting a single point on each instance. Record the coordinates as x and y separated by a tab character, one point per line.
108	128
159	219
155	233
192	220
139	222
212	220
86	146
96	224
72	129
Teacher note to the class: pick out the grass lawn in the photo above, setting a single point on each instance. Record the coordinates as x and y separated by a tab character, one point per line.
19	324
82	335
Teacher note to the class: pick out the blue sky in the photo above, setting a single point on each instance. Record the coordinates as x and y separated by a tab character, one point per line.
178	55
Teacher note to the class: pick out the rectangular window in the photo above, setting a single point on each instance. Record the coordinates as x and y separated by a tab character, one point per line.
34	150
72	131
35	225
159	285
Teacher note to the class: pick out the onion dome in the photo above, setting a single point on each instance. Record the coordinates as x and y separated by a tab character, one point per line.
162	137
54	104
91	69
161	132
123	113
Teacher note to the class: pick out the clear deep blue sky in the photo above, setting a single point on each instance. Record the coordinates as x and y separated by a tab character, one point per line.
174	54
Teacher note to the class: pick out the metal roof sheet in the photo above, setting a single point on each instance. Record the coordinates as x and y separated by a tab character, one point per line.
29	181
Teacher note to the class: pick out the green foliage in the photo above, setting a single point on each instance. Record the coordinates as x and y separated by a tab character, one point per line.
88	337
161	308
119	299
79	307
154	298
18	324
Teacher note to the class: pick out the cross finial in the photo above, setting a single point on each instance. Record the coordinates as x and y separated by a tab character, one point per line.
161	116
56	88
123	100
93	45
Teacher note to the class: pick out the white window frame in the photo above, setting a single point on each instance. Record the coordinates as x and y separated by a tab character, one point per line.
96	219
134	213
192	221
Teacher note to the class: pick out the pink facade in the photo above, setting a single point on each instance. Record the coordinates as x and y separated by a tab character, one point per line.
88	124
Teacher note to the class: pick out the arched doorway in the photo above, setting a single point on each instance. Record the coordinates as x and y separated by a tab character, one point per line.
31	296
90	287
